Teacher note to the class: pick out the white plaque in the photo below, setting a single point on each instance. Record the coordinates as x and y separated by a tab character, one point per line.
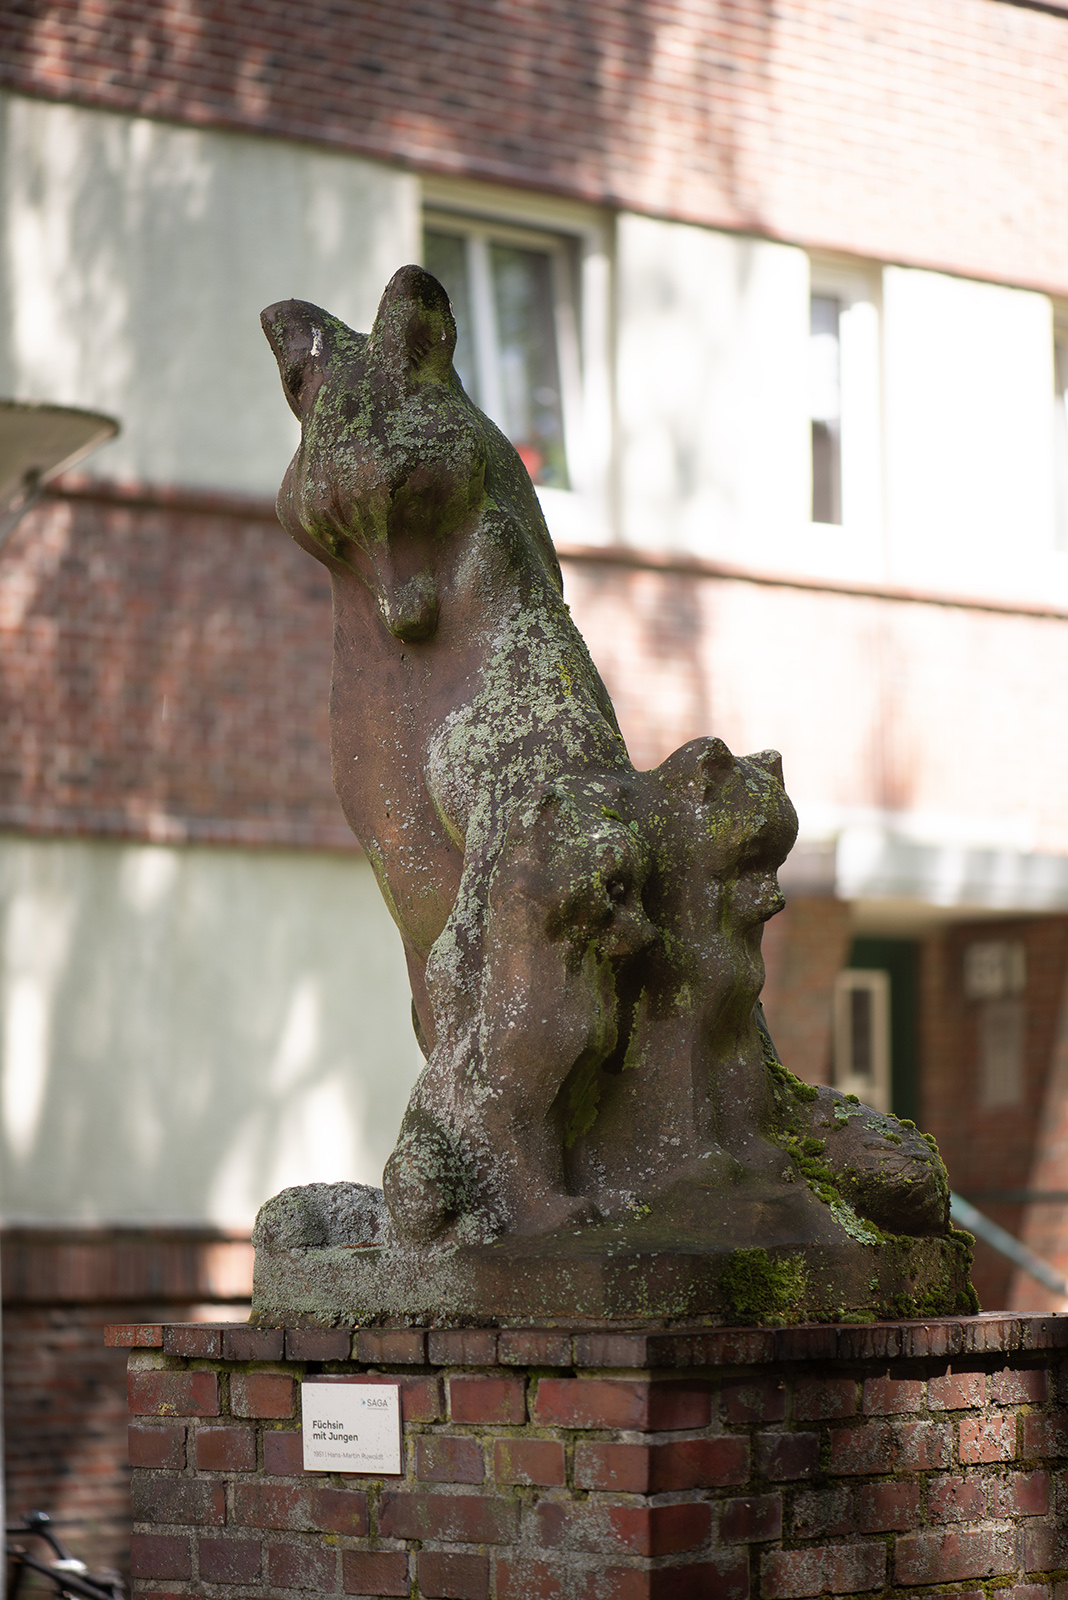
351	1427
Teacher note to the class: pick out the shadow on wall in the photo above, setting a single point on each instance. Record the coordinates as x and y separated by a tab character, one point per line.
185	1031
137	256
622	87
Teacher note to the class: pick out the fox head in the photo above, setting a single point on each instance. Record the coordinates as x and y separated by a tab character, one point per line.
738	823
396	466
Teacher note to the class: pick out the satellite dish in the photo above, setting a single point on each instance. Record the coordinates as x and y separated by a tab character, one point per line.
36	443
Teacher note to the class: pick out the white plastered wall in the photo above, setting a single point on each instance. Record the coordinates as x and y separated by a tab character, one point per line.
135	258
968	404
186	1031
712	353
183	1032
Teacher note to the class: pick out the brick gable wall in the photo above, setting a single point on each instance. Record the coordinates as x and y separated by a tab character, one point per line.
165	675
930	134
64	1406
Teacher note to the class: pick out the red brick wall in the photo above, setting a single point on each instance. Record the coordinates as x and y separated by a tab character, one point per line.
898	129
165	674
64	1392
598	1465
990	1148
1045	1223
165	668
805	947
876	702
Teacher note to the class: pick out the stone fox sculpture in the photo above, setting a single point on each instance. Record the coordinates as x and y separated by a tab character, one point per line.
583	940
459	680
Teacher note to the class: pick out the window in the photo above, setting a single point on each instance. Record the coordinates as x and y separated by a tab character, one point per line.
845	386
1001	1053
862	1036
994	968
825	406
995	975
517	350
1060	426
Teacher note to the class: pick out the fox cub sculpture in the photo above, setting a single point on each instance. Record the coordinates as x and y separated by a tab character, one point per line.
582	939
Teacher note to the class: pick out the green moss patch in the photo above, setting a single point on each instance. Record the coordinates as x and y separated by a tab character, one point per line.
763	1288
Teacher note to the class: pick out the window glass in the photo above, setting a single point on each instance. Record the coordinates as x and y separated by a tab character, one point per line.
825	407
861	1055
527	361
445	255
504	300
994	968
861	1044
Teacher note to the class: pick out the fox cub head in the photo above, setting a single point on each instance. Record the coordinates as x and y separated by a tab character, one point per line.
397	469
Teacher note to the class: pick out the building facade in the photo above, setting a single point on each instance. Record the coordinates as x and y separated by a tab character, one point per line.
774	303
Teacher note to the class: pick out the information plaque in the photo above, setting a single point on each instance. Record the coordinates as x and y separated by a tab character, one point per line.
351	1427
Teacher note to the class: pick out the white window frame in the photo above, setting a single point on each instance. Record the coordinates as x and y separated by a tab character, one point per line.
578	239
857	289
875	1091
479	237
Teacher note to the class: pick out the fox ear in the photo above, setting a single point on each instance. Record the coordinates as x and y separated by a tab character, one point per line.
703	765
415	330
302	337
770	761
714	765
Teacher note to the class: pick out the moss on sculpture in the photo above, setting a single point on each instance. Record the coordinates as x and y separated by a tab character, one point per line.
760	1287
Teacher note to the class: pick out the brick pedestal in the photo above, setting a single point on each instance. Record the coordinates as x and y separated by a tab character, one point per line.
556	1464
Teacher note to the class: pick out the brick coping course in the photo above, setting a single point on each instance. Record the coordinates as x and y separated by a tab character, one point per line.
991	1333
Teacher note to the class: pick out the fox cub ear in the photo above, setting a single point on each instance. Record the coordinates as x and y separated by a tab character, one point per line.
770	761
703	765
415	331
302	337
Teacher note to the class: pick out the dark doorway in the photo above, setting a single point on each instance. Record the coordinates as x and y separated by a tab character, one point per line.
899	958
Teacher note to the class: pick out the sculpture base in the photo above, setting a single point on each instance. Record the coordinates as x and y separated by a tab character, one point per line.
597	1275
596	1464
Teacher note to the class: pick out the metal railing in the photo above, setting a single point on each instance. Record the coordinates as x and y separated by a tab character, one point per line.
965	1215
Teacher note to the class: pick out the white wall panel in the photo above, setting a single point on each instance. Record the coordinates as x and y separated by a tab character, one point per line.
183	1032
969	433
135	258
713	344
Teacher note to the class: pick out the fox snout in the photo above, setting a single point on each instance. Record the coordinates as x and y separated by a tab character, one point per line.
409	610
